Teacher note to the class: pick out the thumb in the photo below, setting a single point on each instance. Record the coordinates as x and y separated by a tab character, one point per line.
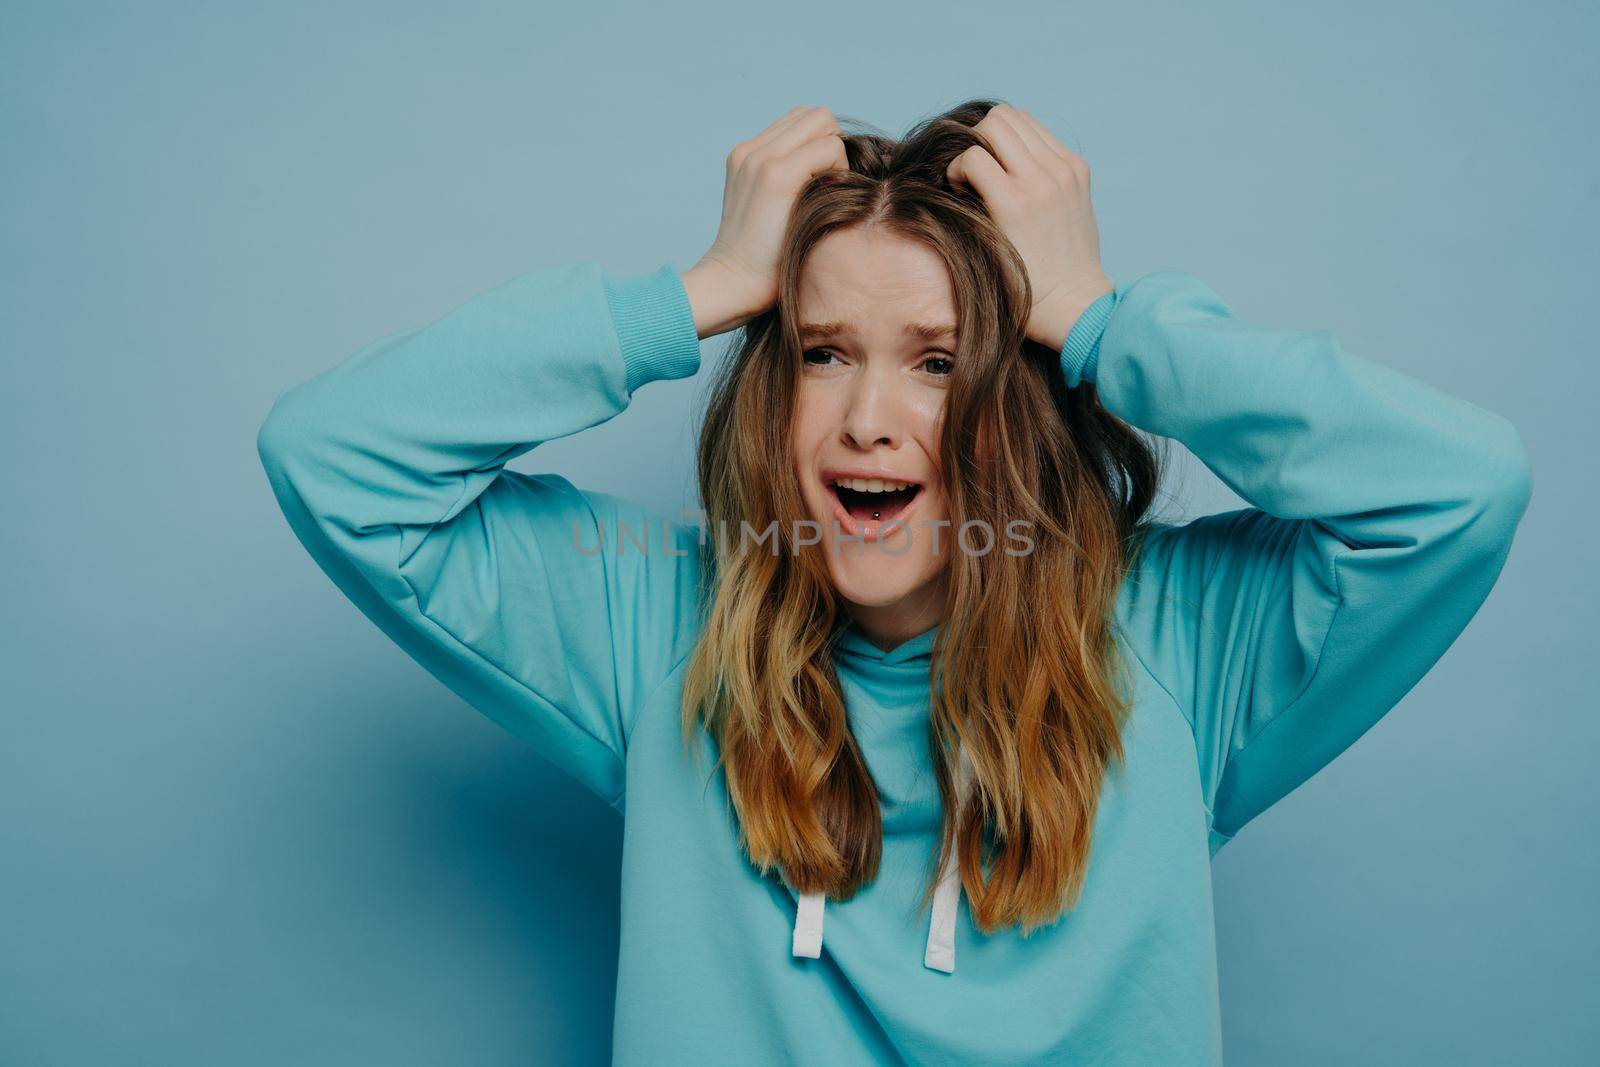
956	172
822	155
976	169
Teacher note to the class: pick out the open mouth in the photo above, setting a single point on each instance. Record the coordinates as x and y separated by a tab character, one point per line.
873	500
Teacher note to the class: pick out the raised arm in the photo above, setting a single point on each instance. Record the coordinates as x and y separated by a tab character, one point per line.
389	469
1383	508
555	611
1383	512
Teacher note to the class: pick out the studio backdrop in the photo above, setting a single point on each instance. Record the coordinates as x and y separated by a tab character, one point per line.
239	826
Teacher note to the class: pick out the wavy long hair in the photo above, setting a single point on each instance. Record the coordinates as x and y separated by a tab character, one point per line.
1025	673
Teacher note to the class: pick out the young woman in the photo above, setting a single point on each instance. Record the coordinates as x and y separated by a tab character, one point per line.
929	649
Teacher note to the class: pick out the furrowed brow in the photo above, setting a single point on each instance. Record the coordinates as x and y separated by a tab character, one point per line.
922	331
809	330
930	331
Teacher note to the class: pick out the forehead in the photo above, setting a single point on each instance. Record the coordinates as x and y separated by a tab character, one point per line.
875	280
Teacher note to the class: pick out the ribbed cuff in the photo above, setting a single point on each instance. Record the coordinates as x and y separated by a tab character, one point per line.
655	325
1080	355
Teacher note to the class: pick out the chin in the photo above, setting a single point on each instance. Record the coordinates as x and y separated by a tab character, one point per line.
876	581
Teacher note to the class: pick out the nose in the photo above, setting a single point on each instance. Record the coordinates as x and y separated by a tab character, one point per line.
872	413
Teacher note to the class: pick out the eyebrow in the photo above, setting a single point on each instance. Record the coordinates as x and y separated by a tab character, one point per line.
922	331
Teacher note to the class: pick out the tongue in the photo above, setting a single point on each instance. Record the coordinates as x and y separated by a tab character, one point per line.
875	505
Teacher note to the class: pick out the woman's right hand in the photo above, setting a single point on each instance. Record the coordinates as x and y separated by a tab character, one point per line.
737	278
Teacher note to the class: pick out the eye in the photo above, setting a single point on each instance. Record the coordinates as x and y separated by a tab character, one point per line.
825	354
940	366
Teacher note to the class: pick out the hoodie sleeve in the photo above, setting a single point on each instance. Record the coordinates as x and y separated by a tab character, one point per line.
553	610
1383	511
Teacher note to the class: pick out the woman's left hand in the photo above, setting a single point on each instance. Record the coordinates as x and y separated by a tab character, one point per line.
1037	191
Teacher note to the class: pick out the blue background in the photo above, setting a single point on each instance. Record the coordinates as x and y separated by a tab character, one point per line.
238	826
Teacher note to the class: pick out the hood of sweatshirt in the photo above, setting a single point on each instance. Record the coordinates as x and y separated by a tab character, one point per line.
887	696
918	649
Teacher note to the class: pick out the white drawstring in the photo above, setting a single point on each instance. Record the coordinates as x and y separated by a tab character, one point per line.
808	925
941	951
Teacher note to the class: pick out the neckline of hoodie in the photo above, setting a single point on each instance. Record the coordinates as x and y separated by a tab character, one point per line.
919	647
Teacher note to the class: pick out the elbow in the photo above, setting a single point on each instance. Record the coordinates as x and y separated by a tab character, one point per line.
1503	481
285	435
1512	483
270	439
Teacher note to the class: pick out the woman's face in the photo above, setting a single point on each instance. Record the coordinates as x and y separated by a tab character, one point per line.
877	318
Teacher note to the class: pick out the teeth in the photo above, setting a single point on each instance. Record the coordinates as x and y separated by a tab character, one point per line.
871	485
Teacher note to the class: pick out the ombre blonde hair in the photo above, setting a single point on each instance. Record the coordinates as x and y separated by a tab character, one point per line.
1025	675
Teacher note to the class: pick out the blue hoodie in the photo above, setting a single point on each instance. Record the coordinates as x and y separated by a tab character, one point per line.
1263	642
